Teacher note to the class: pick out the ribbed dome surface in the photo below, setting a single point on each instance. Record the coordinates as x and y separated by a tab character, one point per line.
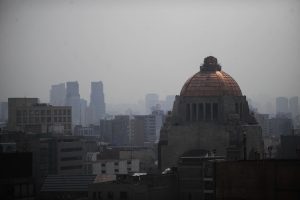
210	82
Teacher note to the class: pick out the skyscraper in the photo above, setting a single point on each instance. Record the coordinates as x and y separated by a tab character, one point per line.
83	112
294	106
151	100
97	104
282	106
58	94
73	100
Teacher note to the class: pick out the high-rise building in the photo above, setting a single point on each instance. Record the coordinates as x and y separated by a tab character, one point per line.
83	112
151	100
294	106
3	111
58	94
282	106
169	103
73	100
97	104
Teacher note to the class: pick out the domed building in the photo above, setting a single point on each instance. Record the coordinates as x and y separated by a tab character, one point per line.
210	114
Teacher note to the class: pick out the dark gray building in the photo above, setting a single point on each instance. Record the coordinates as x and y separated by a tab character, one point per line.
97	103
210	113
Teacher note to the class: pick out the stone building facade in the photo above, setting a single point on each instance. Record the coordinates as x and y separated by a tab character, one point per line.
212	114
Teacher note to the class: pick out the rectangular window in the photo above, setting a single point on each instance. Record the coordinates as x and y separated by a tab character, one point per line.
208	111
241	110
71	167
123	195
215	111
200	112
71	158
236	108
100	196
71	149
194	111
110	195
188	112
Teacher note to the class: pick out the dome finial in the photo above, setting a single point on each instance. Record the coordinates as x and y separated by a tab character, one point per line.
210	64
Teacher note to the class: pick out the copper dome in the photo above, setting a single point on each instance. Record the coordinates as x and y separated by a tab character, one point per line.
211	81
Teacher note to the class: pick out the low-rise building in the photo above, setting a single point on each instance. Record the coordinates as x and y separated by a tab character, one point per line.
28	115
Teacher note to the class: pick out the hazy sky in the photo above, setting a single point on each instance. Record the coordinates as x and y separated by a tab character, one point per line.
139	47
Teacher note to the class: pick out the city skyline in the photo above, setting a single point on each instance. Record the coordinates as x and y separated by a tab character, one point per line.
133	46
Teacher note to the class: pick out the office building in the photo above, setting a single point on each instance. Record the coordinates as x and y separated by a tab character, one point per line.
294	106
58	94
73	100
282	106
97	103
3	111
151	100
26	114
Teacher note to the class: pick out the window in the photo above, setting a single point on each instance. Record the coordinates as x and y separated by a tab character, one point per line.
71	158
103	171
123	195
194	111
215	111
116	170
207	111
116	163
236	108
100	196
129	162
110	195
71	149
200	112
103	165
188	112
71	167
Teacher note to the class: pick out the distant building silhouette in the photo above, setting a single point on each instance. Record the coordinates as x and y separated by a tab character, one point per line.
282	106
3	111
97	103
83	112
151	100
58	94
294	106
73	100
168	105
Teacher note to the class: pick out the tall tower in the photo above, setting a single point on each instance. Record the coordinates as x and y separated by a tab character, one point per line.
294	106
151	100
58	94
97	104
282	105
73	100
